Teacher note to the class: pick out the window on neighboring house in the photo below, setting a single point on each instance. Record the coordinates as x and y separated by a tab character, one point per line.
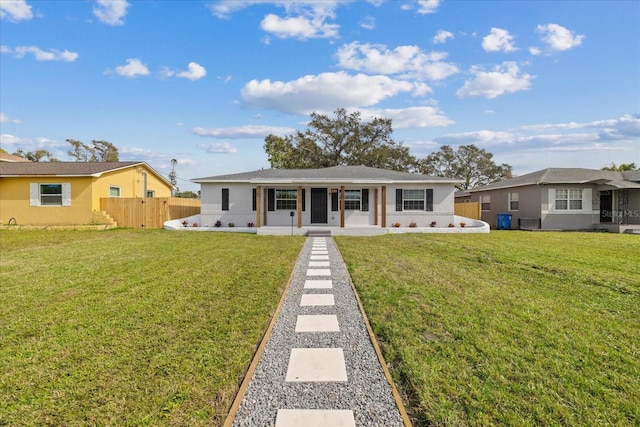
286	199
114	191
352	200
151	194
51	194
485	202
568	199
514	203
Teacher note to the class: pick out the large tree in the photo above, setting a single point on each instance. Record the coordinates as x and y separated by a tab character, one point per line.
620	167
98	151
35	156
342	140
473	165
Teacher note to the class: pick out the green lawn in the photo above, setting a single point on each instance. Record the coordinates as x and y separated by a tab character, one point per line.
510	328
128	327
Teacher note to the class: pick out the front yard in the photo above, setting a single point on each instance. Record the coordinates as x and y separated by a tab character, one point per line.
128	327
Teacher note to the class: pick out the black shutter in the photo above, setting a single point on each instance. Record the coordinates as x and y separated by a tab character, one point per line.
304	200
334	201
271	199
225	199
398	199
365	200
253	200
430	199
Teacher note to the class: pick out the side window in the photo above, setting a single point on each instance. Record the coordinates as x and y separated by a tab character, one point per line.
114	191
514	201
485	202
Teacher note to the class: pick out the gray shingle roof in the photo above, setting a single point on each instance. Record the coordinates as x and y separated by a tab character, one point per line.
17	169
360	174
562	176
61	168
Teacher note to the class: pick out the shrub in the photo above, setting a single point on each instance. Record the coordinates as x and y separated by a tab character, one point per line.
231	224
413	225
395	224
218	223
433	223
249	224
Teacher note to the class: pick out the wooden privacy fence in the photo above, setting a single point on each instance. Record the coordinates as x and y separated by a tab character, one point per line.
135	212
468	209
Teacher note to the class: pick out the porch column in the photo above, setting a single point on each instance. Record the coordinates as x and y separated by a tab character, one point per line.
342	206
299	206
384	206
265	199
375	206
258	205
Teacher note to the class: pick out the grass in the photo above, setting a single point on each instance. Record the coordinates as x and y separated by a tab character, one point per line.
128	327
510	328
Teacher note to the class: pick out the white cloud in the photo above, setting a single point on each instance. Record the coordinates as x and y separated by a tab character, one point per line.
413	117
427	6
6	119
195	72
368	23
558	37
405	61
242	132
133	68
15	10
505	78
41	55
299	27
218	148
442	36
535	51
499	40
322	92
627	126
7	139
111	12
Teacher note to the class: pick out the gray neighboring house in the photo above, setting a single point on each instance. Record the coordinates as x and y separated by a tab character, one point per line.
338	196
564	199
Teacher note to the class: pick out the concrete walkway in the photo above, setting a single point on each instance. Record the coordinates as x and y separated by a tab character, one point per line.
318	364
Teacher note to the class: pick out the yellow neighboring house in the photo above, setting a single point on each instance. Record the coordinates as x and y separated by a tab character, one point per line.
69	193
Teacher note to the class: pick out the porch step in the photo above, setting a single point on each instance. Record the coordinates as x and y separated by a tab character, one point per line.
319	233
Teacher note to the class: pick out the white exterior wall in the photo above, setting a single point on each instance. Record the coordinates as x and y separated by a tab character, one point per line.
443	206
241	213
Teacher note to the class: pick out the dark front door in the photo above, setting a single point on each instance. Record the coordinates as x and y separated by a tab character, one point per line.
318	206
606	207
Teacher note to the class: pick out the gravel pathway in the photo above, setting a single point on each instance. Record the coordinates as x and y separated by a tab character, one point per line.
364	399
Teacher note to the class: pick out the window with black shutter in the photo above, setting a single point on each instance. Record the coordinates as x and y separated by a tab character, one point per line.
253	200
271	199
334	200
225	199
365	200
429	199
398	199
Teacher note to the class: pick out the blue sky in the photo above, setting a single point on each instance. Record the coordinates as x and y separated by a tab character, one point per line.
538	83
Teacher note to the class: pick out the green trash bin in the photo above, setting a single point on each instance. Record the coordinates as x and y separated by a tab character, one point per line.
504	221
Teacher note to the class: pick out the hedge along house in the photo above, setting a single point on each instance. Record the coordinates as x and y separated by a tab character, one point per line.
338	197
564	199
69	193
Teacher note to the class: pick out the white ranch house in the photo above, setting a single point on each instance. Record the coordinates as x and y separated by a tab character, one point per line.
336	197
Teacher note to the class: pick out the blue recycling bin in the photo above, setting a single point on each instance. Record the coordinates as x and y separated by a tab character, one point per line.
504	221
